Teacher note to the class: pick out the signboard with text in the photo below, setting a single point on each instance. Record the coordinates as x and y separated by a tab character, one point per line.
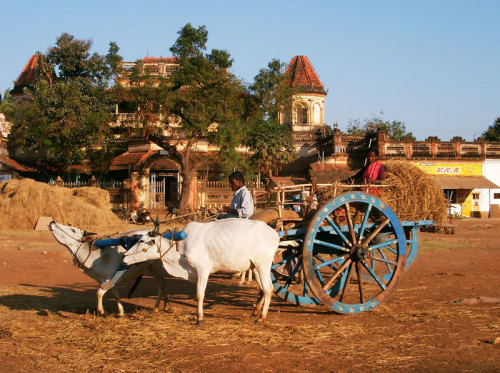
457	169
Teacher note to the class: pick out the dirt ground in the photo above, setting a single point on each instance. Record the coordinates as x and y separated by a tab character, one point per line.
444	316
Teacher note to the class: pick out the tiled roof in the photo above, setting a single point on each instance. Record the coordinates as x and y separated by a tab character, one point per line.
126	160
28	74
301	75
13	164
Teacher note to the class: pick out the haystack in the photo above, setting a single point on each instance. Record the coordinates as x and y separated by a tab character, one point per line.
411	193
22	202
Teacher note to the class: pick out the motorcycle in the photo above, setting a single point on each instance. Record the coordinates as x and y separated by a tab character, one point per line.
136	216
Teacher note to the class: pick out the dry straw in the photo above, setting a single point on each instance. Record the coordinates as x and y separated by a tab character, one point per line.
411	193
22	202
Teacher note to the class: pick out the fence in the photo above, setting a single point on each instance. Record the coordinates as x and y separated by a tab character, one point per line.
219	193
79	184
157	195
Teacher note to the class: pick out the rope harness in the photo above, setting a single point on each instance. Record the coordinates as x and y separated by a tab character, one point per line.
84	240
174	243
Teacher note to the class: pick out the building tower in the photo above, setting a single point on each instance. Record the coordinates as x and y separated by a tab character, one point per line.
306	114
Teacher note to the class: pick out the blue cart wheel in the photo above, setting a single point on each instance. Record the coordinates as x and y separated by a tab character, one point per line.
288	278
354	251
412	246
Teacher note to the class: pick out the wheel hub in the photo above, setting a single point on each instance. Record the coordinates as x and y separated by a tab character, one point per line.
358	252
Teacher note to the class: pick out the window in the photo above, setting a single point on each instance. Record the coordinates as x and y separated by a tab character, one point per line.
496	195
475	196
301	115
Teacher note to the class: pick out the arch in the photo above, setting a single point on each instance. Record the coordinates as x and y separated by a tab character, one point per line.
159	160
159	175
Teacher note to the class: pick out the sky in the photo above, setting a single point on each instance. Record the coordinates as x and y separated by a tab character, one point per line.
432	64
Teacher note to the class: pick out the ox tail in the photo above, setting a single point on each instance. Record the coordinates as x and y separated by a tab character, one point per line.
136	283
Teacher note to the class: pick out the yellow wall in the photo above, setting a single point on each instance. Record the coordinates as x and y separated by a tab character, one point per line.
464	197
451	168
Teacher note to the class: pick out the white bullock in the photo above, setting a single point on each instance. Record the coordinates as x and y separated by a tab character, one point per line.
229	245
102	264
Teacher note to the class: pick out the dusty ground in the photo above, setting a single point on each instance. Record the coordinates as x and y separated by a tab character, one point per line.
47	320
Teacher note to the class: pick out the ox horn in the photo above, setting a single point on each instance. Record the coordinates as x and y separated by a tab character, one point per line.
155	232
87	234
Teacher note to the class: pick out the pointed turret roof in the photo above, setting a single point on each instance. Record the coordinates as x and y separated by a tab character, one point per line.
301	75
27	76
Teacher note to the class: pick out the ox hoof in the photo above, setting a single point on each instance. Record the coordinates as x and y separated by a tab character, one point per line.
199	323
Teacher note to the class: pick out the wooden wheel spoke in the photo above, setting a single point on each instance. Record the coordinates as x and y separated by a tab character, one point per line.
383	260
276	265
348	279
292	274
386	244
338	231
332	279
360	284
375	232
363	223
374	275
342	250
347	209
328	262
305	292
387	261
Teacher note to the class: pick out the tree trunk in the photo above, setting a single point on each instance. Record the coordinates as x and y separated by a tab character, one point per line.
187	174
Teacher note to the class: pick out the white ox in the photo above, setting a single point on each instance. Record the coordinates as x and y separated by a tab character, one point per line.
229	245
102	264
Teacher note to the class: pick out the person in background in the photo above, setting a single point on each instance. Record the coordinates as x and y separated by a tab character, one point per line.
373	172
242	203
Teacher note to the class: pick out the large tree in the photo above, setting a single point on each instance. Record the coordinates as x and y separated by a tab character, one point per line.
271	142
395	129
70	110
493	131
202	92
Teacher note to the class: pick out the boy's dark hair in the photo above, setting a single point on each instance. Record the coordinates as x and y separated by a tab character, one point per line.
237	175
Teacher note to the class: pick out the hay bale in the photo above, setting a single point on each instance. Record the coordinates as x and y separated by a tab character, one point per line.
22	202
411	193
95	196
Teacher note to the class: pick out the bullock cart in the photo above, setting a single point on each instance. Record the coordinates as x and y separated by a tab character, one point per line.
349	257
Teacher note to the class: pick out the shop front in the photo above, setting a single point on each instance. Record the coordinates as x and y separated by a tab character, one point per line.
464	185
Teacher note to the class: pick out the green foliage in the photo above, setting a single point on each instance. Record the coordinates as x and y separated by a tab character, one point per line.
493	131
270	89
6	104
190	43
271	143
69	110
60	124
395	129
